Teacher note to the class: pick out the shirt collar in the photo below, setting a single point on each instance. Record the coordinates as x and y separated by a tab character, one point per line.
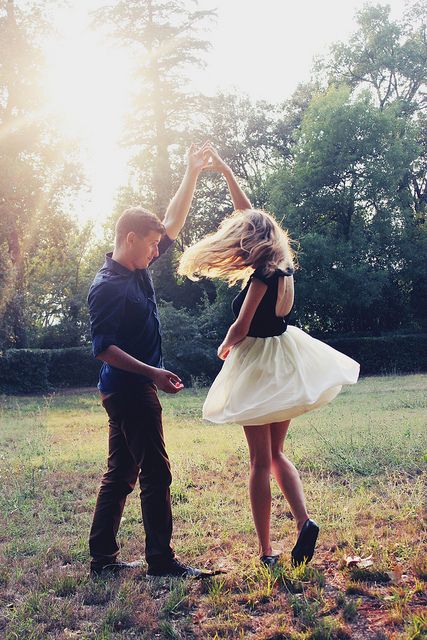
116	266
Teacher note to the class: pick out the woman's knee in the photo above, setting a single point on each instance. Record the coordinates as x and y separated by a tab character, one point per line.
278	458
260	463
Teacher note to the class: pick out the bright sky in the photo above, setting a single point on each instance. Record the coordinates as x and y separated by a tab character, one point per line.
262	49
266	48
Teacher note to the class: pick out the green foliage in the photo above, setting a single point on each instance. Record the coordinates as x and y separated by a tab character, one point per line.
60	278
342	163
74	367
186	350
178	598
353	189
190	343
385	55
416	629
38	167
306	612
345	197
24	370
388	354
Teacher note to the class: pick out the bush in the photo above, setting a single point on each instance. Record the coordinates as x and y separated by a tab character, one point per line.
186	350
387	354
28	370
24	370
190	351
73	367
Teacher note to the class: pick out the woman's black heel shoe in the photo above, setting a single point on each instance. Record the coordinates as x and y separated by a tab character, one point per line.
304	549
269	561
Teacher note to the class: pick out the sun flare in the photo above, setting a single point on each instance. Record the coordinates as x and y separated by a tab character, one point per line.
88	88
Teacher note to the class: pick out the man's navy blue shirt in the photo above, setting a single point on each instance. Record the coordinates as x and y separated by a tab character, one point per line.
123	311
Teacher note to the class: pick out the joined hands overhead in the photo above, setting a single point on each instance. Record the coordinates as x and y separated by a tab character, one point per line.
206	158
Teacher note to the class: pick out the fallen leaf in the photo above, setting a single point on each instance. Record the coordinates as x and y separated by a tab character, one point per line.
357	561
395	575
363	564
199	616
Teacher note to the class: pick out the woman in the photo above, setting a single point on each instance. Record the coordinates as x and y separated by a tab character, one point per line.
272	372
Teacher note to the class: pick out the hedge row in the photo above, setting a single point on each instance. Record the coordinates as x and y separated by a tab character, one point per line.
387	354
29	370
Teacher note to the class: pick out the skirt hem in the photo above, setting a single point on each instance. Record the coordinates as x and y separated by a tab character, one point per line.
281	415
267	380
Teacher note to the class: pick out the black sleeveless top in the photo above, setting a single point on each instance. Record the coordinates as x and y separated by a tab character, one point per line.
265	323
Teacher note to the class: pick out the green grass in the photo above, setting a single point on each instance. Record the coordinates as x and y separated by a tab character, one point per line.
363	463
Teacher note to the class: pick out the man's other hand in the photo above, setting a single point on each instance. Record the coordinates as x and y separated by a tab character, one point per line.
167	381
198	158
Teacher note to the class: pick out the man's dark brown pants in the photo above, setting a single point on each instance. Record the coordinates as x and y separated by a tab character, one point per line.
136	448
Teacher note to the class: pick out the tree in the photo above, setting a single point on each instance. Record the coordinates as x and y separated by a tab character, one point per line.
340	197
164	36
60	273
244	133
166	39
390	58
349	159
35	165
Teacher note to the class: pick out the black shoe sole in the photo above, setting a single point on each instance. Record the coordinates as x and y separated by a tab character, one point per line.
185	576
303	551
114	568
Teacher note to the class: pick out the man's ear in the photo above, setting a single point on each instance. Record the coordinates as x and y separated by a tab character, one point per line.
130	238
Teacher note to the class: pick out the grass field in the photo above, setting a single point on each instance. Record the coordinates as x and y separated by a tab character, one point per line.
363	463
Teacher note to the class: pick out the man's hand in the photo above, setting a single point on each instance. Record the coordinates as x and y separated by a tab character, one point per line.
179	206
167	381
197	159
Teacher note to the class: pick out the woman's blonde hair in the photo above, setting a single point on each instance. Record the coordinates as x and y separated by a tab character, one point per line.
246	240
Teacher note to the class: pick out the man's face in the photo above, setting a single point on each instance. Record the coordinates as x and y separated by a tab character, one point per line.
142	249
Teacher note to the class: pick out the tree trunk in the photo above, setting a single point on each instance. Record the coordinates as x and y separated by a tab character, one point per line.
162	177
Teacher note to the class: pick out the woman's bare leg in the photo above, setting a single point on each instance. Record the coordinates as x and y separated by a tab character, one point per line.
259	441
286	475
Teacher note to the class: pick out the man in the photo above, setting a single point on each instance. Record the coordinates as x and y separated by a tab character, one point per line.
126	337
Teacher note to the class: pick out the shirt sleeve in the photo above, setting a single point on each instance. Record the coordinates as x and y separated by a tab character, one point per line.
106	309
259	275
287	272
163	246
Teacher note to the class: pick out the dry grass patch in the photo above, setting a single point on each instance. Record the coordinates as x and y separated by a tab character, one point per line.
362	459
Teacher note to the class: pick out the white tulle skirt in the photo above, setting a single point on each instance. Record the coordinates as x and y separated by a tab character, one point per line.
265	380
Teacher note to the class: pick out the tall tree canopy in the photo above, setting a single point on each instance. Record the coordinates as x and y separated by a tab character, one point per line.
36	166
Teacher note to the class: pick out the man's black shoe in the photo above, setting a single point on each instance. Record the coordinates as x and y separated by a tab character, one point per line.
113	567
176	569
304	549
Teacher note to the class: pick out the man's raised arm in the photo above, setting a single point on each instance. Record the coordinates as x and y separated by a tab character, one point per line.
179	206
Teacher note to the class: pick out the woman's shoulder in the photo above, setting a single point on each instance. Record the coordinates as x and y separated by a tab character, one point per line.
260	274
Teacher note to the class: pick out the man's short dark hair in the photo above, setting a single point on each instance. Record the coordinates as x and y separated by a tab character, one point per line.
139	221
